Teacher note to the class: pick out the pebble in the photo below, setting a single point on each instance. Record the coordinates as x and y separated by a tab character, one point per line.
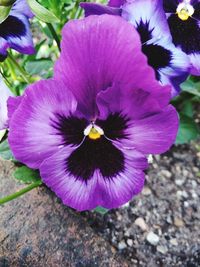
140	222
179	182
174	242
146	191
130	242
185	173
169	219
162	249
178	222
186	204
166	173
152	238
194	183
122	245
182	194
194	194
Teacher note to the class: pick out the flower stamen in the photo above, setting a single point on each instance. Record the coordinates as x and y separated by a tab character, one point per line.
185	10
93	131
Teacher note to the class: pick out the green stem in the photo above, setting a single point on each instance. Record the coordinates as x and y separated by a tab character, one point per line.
21	70
19	193
54	35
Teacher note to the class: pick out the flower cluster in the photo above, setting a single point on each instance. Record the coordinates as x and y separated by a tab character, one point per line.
170	39
90	128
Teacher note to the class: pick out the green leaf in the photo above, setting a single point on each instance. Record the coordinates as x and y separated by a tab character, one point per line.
188	130
4	12
101	210
7	2
191	87
39	67
41	12
5	152
187	108
27	175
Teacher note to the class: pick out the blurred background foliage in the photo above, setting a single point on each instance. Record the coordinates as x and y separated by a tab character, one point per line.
20	70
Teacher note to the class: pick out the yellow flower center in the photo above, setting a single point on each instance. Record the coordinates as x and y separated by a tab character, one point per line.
94	134
185	10
93	131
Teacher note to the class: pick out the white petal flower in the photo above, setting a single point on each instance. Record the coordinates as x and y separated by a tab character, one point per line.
4	95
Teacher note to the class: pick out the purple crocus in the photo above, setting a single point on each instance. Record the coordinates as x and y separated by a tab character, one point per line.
90	129
171	65
183	17
5	93
15	30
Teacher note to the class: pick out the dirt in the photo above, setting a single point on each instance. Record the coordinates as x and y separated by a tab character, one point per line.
160	227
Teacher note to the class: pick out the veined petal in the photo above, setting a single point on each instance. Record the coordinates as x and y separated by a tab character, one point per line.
13	104
22	7
154	134
98	190
90	63
185	33
116	3
148	12
98	9
4	95
3	48
137	104
168	61
16	31
33	136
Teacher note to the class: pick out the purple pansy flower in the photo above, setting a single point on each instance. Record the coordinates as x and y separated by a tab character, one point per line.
170	64
15	30
90	129
183	17
5	93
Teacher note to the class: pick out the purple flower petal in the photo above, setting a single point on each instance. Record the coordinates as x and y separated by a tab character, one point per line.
22	7
185	33
97	191
116	3
32	135
90	63
155	134
168	61
136	104
195	60
15	30
98	9
3	46
13	104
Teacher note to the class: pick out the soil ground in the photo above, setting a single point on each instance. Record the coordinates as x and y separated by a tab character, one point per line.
161	226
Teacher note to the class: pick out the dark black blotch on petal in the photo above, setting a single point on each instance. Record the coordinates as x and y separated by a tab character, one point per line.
12	27
185	33
170	6
144	31
158	57
114	126
196	14
92	155
70	128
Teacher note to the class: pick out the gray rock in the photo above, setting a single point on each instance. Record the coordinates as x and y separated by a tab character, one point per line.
152	238
37	230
